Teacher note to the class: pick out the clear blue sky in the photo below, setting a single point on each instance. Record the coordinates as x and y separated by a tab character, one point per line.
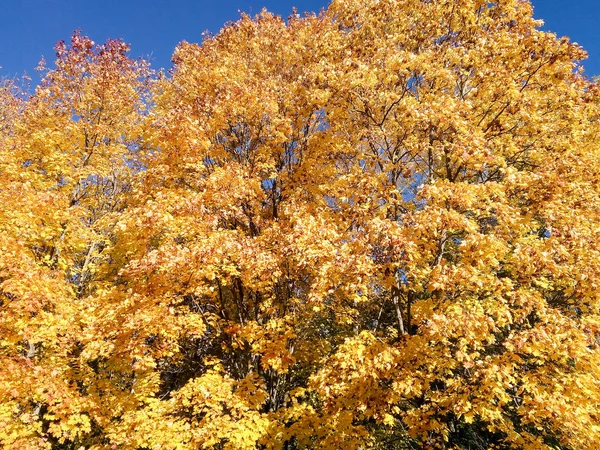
30	28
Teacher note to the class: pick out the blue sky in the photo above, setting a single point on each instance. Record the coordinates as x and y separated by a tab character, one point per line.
30	28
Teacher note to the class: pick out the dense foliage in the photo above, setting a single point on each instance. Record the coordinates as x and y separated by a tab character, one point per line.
376	226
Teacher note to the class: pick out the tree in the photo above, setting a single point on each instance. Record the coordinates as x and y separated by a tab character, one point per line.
65	167
377	226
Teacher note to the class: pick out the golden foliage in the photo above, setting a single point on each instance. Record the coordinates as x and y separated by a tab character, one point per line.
373	227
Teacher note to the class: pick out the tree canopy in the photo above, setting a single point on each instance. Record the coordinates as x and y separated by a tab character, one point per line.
375	227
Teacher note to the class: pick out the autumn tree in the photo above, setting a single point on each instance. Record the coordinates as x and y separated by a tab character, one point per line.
66	161
373	227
